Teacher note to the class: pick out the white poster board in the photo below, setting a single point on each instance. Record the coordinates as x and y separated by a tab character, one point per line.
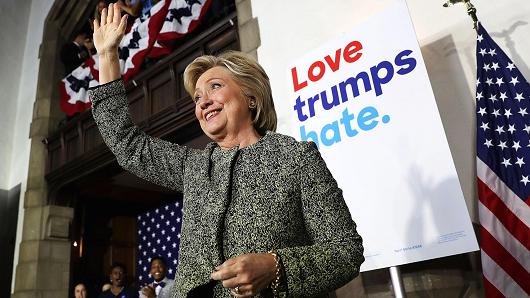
366	100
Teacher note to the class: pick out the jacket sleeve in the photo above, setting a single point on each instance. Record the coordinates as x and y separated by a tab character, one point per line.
150	158
336	253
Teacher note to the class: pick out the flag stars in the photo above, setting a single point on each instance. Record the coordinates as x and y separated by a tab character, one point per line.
519	96
507	113
481	111
495	66
480	38
516	146
506	162
511	128
502	144
493	98
478	82
488	143
485	126
499	129
525	179
482	52
489	81
522	112
514	81
527	129
499	82
520	162
486	67
479	96
496	112
503	96
510	66
492	52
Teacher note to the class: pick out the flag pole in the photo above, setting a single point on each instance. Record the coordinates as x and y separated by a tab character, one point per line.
397	282
471	10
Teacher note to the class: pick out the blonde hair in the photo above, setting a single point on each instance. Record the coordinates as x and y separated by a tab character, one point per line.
248	74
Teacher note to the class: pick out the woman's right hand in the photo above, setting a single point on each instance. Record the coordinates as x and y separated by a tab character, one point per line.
108	34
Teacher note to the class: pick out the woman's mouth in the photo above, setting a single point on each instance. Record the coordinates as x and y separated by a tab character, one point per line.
211	114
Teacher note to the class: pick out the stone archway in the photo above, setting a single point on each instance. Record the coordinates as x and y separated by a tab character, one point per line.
43	268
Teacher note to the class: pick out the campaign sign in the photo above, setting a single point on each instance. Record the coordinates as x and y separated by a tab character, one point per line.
366	101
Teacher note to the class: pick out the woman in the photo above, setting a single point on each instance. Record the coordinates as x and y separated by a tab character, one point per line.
263	215
80	291
118	276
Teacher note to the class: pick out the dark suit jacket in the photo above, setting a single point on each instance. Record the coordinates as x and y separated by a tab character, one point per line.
72	56
276	194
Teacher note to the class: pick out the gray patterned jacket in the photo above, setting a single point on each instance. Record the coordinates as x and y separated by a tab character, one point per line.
276	194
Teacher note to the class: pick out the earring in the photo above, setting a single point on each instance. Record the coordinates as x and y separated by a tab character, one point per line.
252	104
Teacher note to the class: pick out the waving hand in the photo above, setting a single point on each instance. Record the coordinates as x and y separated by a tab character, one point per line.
107	37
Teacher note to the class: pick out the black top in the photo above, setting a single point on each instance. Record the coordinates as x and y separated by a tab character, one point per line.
125	293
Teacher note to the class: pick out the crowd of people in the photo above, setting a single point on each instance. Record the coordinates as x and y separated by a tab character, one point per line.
118	284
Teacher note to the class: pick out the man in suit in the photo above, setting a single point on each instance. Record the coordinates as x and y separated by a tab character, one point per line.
76	52
161	286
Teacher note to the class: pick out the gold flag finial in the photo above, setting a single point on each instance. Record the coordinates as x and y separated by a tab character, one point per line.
471	10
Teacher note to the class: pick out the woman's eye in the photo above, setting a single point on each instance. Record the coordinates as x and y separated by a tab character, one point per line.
196	99
216	85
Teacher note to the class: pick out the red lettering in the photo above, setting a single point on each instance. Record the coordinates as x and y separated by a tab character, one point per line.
317	64
351	49
334	64
297	86
317	69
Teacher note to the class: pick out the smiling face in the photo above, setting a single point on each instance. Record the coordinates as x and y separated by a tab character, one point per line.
158	270
221	107
117	276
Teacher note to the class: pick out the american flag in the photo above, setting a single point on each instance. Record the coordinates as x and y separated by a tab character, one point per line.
159	235
503	170
151	35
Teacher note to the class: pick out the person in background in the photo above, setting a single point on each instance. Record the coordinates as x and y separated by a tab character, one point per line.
118	277
106	287
162	286
76	52
80	291
99	8
264	215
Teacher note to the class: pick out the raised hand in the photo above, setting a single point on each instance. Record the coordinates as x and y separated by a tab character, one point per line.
246	275
108	35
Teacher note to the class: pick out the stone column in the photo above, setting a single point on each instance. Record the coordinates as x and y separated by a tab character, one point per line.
43	268
248	28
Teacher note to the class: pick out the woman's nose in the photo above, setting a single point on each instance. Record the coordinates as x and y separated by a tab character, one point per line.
205	101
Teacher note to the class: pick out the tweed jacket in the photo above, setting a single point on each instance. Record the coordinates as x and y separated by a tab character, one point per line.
276	194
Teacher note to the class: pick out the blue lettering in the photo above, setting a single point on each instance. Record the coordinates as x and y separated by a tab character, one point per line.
334	127
365	115
377	80
325	104
403	60
346	121
353	83
306	136
298	108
